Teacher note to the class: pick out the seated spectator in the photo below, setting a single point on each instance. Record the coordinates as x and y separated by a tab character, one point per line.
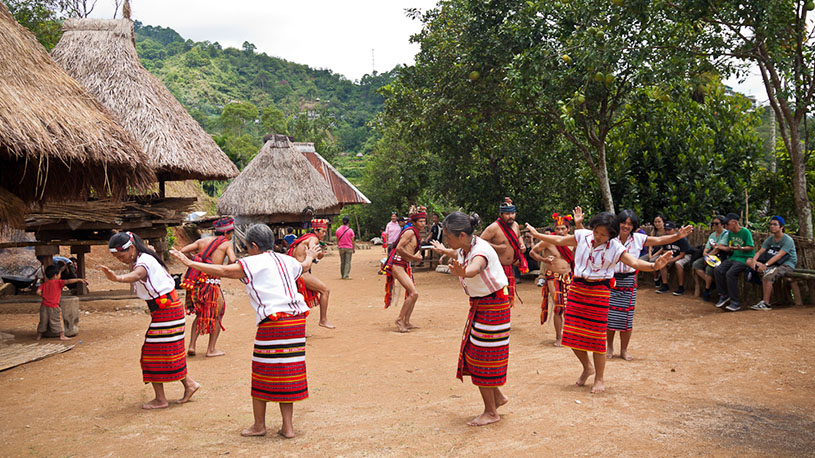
289	237
776	258
681	258
738	241
651	256
700	266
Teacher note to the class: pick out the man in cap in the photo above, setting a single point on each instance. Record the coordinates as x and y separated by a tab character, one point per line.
314	291
505	237
739	242
204	295
776	258
397	267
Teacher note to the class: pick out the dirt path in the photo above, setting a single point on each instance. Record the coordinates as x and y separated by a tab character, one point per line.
703	383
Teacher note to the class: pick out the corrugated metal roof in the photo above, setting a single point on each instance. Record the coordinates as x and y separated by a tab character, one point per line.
347	194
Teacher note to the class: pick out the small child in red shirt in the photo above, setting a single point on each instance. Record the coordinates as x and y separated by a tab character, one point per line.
50	313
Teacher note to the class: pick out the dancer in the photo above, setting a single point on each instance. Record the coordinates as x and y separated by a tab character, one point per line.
163	359
204	296
504	236
397	268
484	350
312	288
596	253
623	296
279	357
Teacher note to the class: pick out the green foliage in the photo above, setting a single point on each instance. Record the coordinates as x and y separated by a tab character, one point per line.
40	17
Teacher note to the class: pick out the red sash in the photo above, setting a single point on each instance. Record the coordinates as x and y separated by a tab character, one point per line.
298	241
193	276
567	255
523	266
389	262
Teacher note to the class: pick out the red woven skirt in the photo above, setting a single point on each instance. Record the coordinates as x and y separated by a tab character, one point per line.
510	284
585	321
279	360
484	352
163	356
560	291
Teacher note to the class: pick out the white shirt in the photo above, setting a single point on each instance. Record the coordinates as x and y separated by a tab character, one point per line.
595	263
491	279
270	283
158	281
633	245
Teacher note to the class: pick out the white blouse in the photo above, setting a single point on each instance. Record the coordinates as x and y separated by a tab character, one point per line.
633	245
158	281
270	283
491	279
595	263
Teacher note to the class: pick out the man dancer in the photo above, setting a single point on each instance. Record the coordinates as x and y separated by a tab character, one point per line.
313	290
204	295
397	267
558	261
504	236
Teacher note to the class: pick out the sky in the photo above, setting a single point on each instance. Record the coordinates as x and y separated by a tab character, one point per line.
351	38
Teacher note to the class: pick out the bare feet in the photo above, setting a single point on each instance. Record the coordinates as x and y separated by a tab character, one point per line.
610	354
401	326
502	401
216	353
39	336
598	387
585	376
328	325
188	392
626	356
191	352
484	419
252	431
64	338
411	326
287	435
154	404
558	343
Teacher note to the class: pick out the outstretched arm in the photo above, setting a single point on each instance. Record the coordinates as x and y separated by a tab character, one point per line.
645	266
139	273
474	268
565	240
442	250
666	239
228	271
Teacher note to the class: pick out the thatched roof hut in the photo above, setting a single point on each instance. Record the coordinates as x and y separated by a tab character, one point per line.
100	54
56	141
347	193
279	185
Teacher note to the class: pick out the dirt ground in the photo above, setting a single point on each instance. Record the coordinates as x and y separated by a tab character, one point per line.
703	382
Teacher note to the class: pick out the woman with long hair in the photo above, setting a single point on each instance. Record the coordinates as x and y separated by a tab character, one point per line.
163	356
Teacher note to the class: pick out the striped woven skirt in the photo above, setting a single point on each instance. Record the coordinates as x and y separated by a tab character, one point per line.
163	356
279	360
559	293
484	351
621	302
510	284
585	321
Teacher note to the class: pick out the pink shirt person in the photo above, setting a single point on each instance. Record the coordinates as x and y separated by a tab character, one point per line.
345	237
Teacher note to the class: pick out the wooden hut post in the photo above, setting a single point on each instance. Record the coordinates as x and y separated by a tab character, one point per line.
79	251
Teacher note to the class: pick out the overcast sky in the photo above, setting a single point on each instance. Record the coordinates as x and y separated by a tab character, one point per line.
337	35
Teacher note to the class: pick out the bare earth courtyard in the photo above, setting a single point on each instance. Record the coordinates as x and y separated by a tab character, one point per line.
702	383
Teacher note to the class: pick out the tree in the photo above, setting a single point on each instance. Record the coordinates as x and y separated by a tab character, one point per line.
40	17
237	116
274	120
777	36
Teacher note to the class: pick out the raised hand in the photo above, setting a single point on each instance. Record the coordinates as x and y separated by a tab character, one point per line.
532	229
181	257
663	260
437	246
109	273
578	215
314	251
685	231
456	268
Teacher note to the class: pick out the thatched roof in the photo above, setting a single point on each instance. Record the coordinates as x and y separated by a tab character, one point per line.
56	141
347	193
278	185
101	55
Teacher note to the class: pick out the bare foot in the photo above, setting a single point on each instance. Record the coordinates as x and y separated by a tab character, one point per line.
609	354
188	392
502	401
598	387
39	338
484	419
401	326
626	356
328	325
154	404
252	431
64	338
558	343
191	352
216	353
585	376
287	435
411	326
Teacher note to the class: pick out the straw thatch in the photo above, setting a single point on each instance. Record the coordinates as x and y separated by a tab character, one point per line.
101	55
278	185
56	141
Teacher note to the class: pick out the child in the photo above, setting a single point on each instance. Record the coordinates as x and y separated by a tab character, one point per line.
50	313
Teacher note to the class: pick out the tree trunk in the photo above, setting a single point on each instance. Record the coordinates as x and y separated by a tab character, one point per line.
803	207
602	176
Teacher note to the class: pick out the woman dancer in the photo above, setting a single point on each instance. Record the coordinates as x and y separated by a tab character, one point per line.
279	358
163	357
624	292
484	350
585	325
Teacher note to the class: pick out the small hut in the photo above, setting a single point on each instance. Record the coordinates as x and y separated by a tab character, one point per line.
57	142
347	193
101	55
278	186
